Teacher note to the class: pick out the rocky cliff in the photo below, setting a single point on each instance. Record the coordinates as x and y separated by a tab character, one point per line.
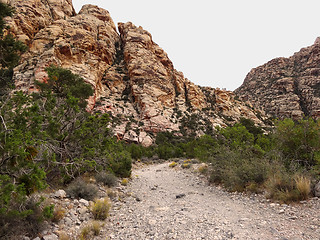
133	78
286	87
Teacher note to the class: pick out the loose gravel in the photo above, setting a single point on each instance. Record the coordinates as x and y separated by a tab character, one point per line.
173	203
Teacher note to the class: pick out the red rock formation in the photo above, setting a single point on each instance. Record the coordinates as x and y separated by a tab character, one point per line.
134	79
286	87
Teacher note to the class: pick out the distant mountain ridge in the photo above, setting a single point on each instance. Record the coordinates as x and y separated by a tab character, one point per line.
286	87
133	78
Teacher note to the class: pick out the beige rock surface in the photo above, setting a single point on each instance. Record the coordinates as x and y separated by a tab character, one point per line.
133	78
286	87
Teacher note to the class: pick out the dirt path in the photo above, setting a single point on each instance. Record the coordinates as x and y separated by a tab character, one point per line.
168	203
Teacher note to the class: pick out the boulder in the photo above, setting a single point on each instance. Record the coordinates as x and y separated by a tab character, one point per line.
317	190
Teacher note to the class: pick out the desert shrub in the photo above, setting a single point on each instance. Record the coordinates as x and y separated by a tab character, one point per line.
100	209
96	228
106	178
119	160
303	185
186	165
203	169
111	194
58	214
90	230
298	142
136	151
63	236
173	164
124	182
28	219
236	170
80	189
287	187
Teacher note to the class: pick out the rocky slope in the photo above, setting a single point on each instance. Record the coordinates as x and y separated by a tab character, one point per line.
133	78
286	87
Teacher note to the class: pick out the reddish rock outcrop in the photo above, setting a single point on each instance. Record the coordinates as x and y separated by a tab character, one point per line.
134	79
286	87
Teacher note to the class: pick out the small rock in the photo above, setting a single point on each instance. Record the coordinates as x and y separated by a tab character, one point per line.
37	238
60	194
281	211
317	190
152	222
138	199
82	210
84	202
51	237
180	195
67	221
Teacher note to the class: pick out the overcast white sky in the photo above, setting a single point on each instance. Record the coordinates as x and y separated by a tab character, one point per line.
217	42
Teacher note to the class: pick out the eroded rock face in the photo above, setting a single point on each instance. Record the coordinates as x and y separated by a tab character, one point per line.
34	15
286	87
84	43
134	79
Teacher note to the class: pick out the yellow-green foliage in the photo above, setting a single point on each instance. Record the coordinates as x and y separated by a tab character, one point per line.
58	214
96	227
286	188
173	164
63	236
187	161
90	230
303	186
186	165
111	194
100	209
203	169
125	182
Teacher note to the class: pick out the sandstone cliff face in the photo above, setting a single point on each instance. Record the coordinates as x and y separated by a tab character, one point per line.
286	87
134	79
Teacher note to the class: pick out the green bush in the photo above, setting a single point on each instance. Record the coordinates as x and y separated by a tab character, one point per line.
80	189
106	178
236	171
298	142
136	151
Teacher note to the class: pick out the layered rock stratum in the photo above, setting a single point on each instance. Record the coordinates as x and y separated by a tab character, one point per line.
286	87
133	78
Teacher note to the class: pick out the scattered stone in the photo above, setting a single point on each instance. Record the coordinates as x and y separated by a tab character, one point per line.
180	195
317	190
84	202
50	237
60	194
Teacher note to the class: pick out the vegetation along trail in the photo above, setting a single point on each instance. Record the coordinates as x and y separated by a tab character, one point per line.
171	203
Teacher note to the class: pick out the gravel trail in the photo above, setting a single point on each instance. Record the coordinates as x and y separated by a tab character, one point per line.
171	203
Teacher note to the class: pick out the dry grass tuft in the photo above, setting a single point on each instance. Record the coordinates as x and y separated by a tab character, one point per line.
100	209
303	186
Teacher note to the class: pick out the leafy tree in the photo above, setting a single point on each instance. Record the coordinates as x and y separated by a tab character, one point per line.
50	137
251	127
298	142
10	51
237	137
